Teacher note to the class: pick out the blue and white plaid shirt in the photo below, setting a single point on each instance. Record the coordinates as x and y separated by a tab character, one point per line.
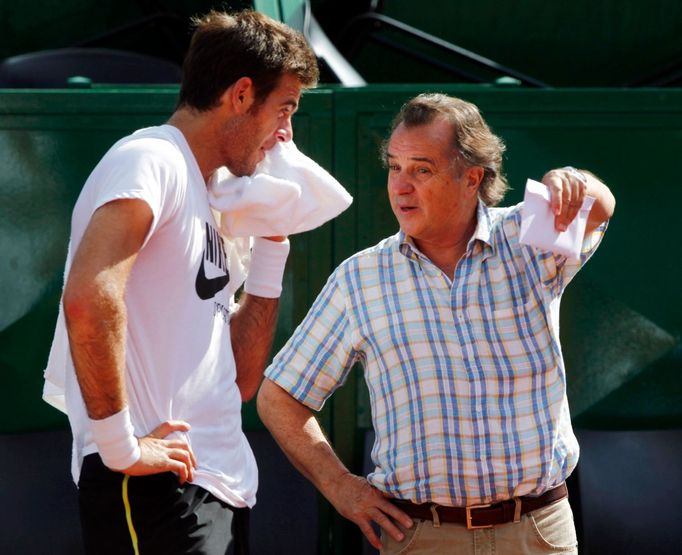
466	378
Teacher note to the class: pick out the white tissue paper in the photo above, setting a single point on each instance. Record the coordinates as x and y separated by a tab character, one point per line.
537	223
288	193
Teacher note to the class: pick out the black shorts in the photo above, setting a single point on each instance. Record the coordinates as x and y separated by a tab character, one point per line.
149	515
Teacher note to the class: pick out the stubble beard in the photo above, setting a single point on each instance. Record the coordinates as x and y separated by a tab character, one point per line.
240	136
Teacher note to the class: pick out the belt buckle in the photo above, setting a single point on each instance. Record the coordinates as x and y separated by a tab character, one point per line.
471	526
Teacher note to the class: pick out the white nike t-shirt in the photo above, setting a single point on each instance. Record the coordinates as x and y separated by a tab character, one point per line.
179	297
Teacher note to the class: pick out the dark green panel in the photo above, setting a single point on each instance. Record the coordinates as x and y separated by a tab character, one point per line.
621	318
51	140
652	400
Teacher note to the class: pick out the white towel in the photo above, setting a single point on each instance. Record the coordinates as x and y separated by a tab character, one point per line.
537	223
288	193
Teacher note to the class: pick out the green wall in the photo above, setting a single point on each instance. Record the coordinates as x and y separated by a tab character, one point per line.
621	318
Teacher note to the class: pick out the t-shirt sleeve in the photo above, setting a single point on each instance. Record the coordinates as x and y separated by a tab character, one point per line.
138	169
319	355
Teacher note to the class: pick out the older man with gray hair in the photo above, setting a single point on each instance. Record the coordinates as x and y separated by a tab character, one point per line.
455	322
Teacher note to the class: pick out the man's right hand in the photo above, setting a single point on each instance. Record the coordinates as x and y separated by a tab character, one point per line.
165	455
357	500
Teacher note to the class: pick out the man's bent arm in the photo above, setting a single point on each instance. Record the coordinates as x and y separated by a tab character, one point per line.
298	433
252	328
95	313
568	188
604	203
94	305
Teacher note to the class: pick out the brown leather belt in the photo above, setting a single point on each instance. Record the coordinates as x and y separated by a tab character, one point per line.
482	516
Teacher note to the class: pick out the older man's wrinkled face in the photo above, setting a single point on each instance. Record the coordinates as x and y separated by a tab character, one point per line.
429	195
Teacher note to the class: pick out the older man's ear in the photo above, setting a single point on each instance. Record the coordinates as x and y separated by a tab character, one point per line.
474	177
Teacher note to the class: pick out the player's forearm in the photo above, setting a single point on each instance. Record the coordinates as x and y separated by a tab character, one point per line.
252	328
252	331
94	302
96	322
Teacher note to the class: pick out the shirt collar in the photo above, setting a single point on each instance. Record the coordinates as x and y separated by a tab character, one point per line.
483	233
406	245
483	229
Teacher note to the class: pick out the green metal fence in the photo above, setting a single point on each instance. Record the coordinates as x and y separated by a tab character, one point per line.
621	318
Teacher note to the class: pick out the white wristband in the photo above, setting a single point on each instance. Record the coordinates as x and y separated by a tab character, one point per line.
116	441
266	270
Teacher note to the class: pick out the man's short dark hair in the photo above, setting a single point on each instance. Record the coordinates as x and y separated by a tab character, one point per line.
226	47
472	139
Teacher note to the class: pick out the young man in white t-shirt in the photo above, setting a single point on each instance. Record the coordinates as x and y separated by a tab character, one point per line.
152	357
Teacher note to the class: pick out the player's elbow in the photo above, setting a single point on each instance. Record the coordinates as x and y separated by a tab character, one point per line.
77	305
88	304
247	389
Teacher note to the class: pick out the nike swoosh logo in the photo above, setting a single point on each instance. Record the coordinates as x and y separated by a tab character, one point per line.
207	288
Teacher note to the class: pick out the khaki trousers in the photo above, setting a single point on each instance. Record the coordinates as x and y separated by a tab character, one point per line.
548	530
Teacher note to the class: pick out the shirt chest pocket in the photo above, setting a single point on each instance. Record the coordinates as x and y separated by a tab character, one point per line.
517	320
508	290
508	309
517	338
